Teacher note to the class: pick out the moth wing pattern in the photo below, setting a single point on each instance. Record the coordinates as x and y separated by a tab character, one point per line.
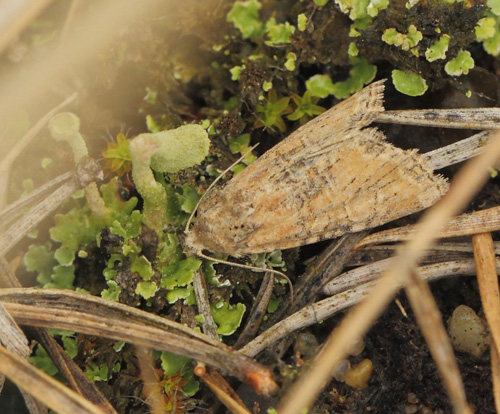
332	176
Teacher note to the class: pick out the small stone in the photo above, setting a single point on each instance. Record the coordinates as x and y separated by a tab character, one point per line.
468	331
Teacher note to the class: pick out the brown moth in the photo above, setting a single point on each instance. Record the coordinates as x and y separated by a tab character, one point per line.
334	175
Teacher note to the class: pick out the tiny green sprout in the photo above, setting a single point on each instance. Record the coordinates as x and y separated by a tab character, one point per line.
302	22
352	49
405	41
236	72
306	108
485	28
493	172
290	61
279	33
245	17
65	126
117	155
320	2
267	86
164	152
270	114
460	65
409	83
438	49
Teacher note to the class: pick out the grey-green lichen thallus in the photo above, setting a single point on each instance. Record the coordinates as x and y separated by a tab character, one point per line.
332	176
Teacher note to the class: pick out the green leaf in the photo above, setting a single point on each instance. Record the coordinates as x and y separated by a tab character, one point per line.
40	258
142	266
438	49
62	278
320	86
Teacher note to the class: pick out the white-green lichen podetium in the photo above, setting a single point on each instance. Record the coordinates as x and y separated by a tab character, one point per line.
164	152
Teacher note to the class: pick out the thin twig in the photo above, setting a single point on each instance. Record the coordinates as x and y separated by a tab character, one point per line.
42	386
53	308
487	278
360	289
482	221
203	304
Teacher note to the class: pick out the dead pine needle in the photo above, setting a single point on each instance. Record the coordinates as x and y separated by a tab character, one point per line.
487	278
358	321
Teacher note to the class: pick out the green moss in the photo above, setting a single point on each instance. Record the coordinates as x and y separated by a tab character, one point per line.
306	108
409	83
146	289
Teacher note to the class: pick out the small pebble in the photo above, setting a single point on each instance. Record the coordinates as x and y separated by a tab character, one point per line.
412	398
468	331
358	376
411	409
356	347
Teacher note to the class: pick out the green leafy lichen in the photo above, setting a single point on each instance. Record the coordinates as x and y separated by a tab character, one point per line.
409	83
438	49
227	317
460	65
405	41
245	17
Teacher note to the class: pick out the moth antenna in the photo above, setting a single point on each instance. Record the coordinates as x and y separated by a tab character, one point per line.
186	230
253	268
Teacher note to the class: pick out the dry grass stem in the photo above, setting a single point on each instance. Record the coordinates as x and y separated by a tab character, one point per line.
354	293
429	319
16	16
152	390
40	211
487	278
19	207
95	316
359	320
203	304
224	392
258	311
487	220
42	386
20	145
461	118
495	373
458	151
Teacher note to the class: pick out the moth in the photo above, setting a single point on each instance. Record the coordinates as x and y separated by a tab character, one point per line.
332	176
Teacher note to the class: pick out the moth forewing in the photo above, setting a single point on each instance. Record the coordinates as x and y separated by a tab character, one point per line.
331	176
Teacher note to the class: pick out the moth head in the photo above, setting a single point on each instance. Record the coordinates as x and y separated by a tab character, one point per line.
220	225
